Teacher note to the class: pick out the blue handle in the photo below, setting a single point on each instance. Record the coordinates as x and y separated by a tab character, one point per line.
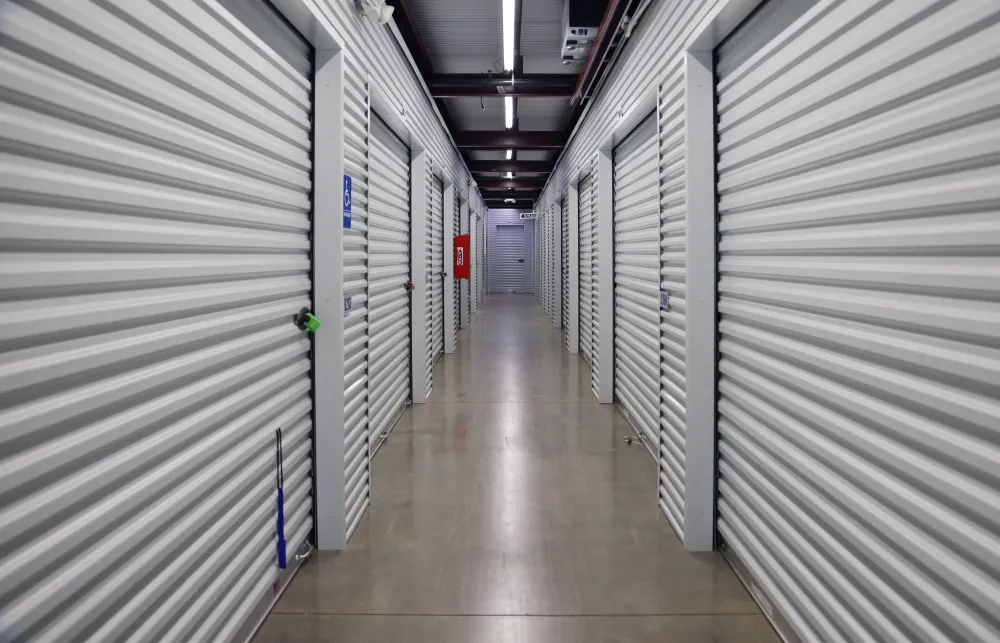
282	554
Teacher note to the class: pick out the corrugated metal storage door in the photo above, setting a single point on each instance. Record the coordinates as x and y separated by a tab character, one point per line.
860	318
457	285
388	274
564	259
507	252
637	280
586	269
673	271
356	435
156	247
437	278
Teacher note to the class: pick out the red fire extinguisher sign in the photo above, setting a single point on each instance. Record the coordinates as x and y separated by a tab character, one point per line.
462	256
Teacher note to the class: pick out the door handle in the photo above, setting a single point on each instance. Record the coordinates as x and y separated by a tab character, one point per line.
409	286
444	274
520	261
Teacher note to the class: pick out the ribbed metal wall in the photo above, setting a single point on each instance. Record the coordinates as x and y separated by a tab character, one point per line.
156	245
637	280
430	267
480	223
673	275
436	279
356	322
859	264
389	259
587	232
375	53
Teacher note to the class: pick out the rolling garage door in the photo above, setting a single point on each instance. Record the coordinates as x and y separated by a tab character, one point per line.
673	312
356	321
637	281
436	279
564	275
156	233
508	268
587	229
388	276
860	317
456	283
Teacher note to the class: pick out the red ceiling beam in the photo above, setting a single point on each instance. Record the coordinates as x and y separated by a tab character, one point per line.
525	85
502	140
507	184
488	167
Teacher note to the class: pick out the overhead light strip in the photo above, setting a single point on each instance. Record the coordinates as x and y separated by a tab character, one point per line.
508	35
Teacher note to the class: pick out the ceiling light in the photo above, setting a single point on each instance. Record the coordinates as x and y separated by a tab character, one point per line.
510	200
510	154
508	107
510	175
508	35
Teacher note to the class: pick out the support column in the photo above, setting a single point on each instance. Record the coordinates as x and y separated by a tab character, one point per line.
450	340
418	296
328	297
701	299
573	212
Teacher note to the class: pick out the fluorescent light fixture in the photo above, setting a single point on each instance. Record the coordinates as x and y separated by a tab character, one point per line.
510	175
510	154
508	35
508	108
510	200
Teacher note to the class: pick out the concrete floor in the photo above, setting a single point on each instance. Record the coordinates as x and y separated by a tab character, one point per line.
508	508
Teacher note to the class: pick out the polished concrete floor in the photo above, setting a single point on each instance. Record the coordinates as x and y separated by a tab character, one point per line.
509	508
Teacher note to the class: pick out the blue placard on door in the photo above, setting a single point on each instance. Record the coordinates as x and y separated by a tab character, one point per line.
347	201
664	300
348	304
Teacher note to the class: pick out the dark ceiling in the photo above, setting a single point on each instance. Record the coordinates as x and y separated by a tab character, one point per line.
458	47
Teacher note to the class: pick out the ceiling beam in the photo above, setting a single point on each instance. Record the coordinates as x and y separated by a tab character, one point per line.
525	85
507	184
403	16
501	140
510	194
522	204
487	167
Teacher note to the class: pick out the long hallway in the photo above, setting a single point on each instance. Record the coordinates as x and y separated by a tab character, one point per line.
509	508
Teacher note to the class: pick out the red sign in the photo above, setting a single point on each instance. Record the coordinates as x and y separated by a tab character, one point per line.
462	259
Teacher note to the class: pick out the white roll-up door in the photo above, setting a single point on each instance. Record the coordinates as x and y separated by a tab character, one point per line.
156	230
388	275
637	280
564	260
859	265
449	266
437	251
356	337
508	268
673	324
587	228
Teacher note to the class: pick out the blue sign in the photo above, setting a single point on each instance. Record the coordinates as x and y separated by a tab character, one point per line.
664	300
347	201
348	304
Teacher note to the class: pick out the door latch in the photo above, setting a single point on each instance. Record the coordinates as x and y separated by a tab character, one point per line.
409	286
305	320
520	261
444	273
